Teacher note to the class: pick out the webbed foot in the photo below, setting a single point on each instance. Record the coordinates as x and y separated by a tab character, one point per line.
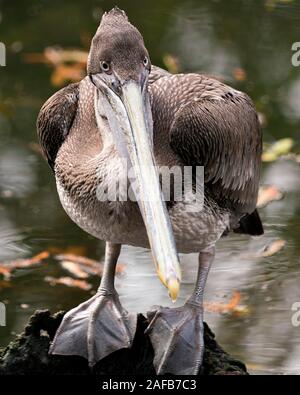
176	335
95	329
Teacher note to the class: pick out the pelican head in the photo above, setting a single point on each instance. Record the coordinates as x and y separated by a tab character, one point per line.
119	66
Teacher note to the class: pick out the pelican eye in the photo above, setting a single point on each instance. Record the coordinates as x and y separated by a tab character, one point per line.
105	66
145	61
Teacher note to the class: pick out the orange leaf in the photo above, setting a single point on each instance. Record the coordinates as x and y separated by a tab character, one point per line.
232	306
69	282
74	269
89	266
63	73
172	63
273	248
5	271
239	74
6	268
268	194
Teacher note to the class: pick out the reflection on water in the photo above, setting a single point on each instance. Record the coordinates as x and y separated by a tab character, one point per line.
215	37
16	173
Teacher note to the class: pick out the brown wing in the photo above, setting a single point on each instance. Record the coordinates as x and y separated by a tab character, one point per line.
214	126
55	120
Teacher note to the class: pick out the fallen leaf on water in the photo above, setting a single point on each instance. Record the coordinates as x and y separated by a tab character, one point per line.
65	73
239	74
55	56
6	268
68	64
73	249
77	264
172	63
34	260
268	194
74	269
280	148
232	306
78	259
69	282
5	271
272	248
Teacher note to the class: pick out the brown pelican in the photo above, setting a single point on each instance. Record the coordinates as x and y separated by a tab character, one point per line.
126	110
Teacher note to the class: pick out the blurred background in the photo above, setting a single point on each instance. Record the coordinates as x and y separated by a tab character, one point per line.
43	255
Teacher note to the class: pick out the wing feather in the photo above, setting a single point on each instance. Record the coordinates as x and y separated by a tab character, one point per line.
215	126
55	120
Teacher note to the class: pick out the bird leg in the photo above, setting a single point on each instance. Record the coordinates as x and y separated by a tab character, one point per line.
176	334
99	326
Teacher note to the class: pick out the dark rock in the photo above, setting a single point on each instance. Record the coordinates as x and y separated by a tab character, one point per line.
28	354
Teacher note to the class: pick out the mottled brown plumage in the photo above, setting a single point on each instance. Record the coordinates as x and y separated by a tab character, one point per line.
203	121
86	129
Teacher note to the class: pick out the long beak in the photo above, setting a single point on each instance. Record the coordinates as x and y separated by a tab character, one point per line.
153	208
131	122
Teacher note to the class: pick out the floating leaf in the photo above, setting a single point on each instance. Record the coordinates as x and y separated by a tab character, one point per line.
273	248
6	268
239	74
78	259
55	56
74	269
268	194
21	263
69	65
66	73
278	149
232	306
5	271
69	282
172	63
80	264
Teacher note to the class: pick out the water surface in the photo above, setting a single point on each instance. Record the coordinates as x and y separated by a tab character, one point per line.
216	37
